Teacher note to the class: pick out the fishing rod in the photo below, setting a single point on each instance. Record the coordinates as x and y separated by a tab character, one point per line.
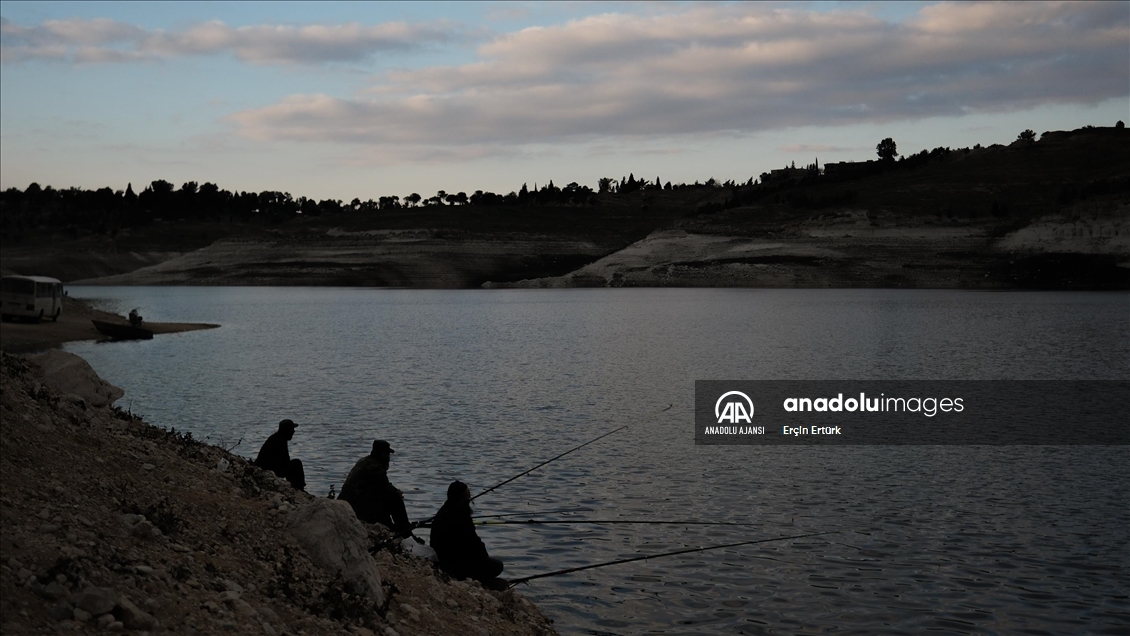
427	521
538	522
552	459
520	514
575	448
527	579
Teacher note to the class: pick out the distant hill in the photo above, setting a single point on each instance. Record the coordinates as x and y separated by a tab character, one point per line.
1046	214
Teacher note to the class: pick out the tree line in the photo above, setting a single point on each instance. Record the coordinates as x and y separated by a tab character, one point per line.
106	210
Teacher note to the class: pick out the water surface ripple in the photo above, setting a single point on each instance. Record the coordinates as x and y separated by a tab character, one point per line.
480	385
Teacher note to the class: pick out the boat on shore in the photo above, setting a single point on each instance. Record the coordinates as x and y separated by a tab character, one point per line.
119	331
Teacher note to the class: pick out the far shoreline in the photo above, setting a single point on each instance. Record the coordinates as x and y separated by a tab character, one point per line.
518	287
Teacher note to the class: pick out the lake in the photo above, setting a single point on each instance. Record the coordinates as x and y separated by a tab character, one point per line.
481	385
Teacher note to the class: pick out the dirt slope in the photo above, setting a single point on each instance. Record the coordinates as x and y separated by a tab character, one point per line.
109	523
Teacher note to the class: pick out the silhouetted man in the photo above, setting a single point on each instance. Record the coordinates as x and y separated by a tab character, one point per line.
275	457
461	553
373	497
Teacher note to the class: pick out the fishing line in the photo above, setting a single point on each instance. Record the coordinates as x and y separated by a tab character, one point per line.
609	521
527	579
545	512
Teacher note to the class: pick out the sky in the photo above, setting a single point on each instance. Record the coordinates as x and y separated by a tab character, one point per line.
362	100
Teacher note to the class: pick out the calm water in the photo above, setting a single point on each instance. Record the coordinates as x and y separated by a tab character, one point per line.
480	385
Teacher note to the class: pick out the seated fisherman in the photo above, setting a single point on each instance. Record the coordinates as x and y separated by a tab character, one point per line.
135	318
275	457
373	497
461	553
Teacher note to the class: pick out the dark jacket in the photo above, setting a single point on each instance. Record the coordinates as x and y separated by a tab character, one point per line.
454	539
274	455
373	497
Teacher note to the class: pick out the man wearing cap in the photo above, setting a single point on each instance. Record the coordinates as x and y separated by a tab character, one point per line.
373	497
275	457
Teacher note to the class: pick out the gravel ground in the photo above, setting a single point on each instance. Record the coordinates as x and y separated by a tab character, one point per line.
110	524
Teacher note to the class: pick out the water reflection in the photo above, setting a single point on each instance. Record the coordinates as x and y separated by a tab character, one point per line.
479	386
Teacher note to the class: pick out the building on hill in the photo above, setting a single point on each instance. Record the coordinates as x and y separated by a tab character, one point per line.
848	168
785	174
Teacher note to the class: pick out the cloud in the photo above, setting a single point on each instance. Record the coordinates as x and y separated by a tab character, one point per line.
711	69
368	157
606	150
506	11
109	41
815	148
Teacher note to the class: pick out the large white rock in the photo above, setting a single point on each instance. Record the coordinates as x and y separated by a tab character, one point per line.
336	541
68	373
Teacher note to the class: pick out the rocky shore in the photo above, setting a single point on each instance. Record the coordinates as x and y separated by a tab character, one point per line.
110	524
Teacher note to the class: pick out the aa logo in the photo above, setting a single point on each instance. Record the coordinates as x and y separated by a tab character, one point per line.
734	407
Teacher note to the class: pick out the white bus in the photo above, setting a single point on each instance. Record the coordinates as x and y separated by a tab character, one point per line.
35	297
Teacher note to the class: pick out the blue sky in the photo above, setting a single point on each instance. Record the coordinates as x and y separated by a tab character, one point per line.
347	100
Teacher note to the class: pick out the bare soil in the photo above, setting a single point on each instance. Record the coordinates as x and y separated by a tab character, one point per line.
185	537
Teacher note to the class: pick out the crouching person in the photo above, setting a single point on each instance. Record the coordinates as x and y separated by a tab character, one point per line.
372	495
275	457
461	553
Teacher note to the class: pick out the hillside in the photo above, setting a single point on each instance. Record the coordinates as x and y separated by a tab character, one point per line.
1048	214
110	524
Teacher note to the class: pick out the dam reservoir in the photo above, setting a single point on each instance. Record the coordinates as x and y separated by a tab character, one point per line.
481	385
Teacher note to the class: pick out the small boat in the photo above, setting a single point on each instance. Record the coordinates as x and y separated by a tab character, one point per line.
119	331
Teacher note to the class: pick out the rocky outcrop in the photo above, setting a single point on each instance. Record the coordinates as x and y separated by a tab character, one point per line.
72	376
1081	231
336	541
407	258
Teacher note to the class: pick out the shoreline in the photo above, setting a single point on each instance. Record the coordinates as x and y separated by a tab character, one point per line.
110	523
521	287
74	325
1046	214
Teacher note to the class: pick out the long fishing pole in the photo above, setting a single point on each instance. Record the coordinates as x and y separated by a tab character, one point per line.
527	579
538	522
527	472
424	524
522	514
552	459
555	459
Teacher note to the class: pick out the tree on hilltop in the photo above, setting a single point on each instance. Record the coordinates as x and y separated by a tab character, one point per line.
1027	136
887	149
